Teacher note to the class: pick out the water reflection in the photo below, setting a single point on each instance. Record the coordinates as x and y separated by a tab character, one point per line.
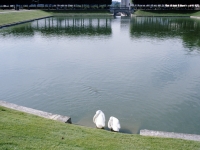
21	30
64	26
134	69
167	28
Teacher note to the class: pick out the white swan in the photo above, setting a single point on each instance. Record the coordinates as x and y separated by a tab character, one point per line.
99	119
114	124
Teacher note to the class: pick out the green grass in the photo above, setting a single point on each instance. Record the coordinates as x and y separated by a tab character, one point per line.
196	13
78	12
91	13
19	130
13	17
7	10
167	13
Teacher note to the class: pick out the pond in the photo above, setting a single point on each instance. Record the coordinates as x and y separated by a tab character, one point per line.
143	70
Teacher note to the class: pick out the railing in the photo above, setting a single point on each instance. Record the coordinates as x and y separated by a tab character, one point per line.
112	8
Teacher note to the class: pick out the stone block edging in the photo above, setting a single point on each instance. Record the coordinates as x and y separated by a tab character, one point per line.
40	113
196	17
193	137
21	22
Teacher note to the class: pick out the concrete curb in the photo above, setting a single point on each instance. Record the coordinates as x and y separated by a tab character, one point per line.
196	17
192	137
43	114
15	11
21	22
161	16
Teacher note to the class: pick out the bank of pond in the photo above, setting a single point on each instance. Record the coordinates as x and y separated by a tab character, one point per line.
25	131
161	27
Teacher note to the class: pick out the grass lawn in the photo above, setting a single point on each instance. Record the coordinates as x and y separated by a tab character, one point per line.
1	10
12	17
19	130
79	12
17	16
25	15
167	13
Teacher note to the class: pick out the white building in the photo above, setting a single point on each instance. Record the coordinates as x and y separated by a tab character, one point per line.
126	3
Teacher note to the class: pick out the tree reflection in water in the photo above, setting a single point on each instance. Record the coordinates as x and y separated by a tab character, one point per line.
168	28
63	26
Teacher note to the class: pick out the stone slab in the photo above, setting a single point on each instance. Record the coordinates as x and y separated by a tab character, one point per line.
193	137
196	17
40	113
21	22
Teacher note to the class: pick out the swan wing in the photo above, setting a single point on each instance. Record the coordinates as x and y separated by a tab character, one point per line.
116	124
110	123
96	115
94	118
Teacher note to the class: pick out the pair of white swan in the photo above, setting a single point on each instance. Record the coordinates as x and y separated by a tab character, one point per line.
99	120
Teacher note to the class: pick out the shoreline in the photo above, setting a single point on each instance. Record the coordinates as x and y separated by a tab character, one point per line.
40	113
42	14
162	134
47	14
21	130
168	13
195	17
66	119
161	16
21	22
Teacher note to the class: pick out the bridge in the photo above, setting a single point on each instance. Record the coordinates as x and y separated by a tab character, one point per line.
124	10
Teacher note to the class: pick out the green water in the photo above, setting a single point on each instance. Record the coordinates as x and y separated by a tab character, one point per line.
145	71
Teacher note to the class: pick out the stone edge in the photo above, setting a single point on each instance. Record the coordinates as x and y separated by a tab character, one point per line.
21	22
159	16
153	133
196	17
40	113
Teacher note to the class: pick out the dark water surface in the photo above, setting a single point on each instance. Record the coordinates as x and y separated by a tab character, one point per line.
144	71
